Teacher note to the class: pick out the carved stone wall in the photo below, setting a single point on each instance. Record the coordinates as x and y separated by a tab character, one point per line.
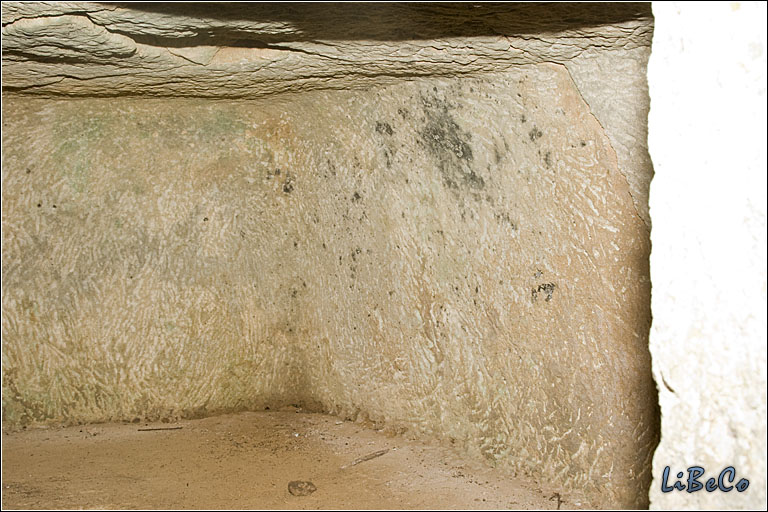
433	217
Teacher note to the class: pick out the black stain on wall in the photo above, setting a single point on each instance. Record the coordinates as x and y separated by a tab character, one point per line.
384	128
288	186
547	289
450	147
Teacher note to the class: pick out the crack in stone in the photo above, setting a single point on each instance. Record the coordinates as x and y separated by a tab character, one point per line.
610	143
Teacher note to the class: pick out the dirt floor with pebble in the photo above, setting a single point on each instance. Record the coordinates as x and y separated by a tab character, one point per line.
286	459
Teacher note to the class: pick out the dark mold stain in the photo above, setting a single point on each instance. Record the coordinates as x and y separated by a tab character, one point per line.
450	147
382	127
504	217
288	185
534	134
444	137
546	288
356	197
548	159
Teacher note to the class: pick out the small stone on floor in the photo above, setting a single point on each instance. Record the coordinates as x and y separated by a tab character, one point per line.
301	488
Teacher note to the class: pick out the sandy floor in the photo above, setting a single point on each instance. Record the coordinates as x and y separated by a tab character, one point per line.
247	460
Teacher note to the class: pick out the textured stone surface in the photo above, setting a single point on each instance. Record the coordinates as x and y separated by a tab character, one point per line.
442	228
237	51
96	49
708	264
455	257
91	49
614	85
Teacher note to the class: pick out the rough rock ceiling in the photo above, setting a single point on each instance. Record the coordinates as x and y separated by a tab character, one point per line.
247	50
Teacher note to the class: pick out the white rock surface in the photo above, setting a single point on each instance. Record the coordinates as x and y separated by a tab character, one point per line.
707	133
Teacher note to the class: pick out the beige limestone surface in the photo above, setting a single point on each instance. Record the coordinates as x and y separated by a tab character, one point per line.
456	257
247	460
245	50
440	225
86	49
